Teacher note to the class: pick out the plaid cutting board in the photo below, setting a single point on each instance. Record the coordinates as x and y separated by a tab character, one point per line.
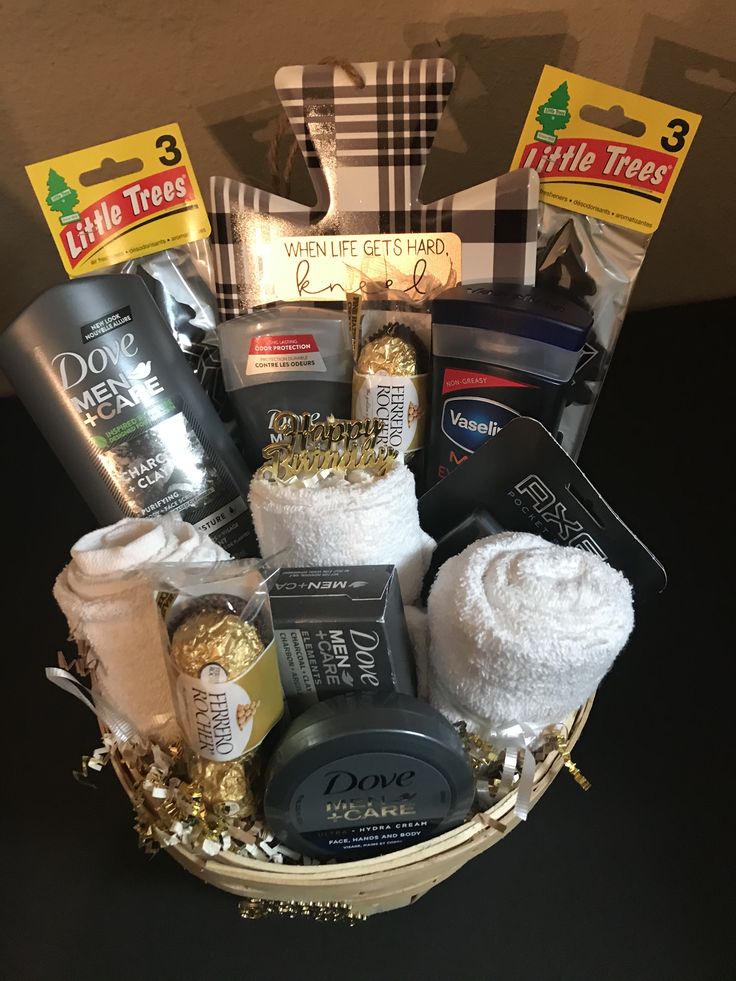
367	149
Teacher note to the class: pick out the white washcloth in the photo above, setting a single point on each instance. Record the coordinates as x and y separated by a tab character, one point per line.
418	627
371	523
117	616
523	631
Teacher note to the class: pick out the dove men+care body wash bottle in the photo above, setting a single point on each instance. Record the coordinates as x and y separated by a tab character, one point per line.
99	371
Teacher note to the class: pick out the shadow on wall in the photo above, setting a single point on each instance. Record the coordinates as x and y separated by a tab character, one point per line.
244	125
699	226
28	258
477	136
498	63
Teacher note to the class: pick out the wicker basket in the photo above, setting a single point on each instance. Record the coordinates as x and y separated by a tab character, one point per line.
373	885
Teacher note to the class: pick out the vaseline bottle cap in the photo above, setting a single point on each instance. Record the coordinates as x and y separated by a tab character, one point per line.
360	775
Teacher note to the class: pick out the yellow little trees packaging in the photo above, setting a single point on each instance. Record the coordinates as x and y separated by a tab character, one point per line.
607	162
120	200
602	151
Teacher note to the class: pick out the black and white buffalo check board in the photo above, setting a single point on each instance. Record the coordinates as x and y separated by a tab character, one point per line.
366	148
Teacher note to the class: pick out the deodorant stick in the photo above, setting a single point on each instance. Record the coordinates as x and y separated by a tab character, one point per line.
498	352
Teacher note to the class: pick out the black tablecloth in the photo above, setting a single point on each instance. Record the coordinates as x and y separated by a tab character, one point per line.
629	881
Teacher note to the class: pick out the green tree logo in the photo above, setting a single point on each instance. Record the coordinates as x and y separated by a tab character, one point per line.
553	115
61	198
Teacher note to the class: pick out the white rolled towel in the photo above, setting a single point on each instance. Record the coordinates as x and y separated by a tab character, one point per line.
523	631
116	615
367	523
418	627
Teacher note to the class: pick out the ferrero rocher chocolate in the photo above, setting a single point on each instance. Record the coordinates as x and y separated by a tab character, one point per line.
391	351
389	384
224	669
215	637
224	784
215	602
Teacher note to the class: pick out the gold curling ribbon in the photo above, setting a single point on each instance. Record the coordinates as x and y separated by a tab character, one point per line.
95	761
564	752
257	909
197	802
170	809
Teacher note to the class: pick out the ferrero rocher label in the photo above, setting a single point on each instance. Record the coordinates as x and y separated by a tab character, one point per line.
227	684
225	718
400	404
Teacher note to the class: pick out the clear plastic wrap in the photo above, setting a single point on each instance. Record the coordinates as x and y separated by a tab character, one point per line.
180	281
598	263
222	658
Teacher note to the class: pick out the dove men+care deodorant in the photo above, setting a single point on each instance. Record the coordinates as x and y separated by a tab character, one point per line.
99	371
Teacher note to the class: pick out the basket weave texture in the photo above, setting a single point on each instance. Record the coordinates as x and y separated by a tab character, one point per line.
372	885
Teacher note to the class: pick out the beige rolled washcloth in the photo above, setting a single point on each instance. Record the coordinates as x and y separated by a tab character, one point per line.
115	614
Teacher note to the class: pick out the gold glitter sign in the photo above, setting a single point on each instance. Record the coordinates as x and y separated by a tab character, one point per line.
306	447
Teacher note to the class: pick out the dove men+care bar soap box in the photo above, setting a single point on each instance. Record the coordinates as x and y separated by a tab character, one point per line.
340	629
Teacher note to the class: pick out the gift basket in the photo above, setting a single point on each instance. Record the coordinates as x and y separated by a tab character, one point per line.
351	596
354	890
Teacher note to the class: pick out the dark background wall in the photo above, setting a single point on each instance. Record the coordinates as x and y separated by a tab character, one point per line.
80	72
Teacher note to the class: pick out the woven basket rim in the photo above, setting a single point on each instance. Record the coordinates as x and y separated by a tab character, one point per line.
483	824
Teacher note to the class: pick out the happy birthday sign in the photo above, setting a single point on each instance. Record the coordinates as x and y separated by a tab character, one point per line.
306	446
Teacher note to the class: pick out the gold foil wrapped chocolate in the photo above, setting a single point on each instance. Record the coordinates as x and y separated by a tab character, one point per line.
389	383
224	785
388	354
224	667
215	637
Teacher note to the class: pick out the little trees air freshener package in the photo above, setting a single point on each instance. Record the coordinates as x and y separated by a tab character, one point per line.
133	206
120	200
607	161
